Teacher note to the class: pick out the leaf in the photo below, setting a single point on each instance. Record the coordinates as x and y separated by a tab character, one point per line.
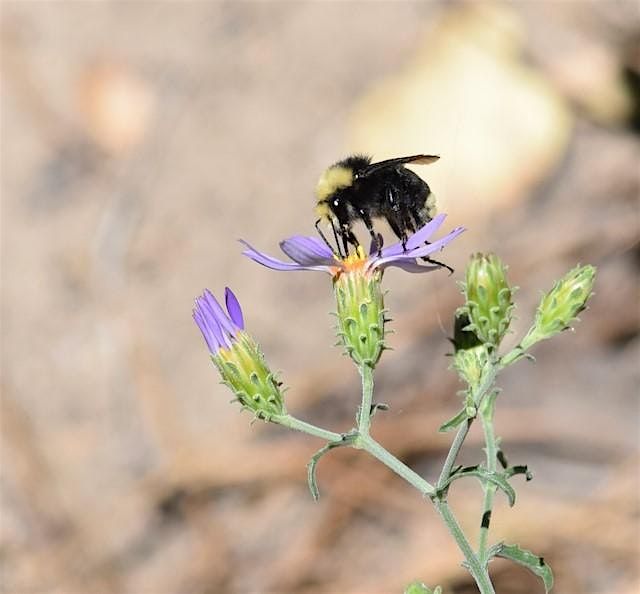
519	469
495	478
531	561
453	422
311	466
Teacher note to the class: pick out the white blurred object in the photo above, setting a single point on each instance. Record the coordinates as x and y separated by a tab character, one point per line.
467	95
117	105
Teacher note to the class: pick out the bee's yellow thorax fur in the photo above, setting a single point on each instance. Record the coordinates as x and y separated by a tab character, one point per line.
332	180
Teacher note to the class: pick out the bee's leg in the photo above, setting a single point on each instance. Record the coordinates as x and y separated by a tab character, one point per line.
347	236
419	220
438	263
407	224
418	217
338	238
345	243
395	227
375	237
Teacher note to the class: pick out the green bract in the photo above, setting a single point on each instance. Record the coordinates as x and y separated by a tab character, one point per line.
471	364
360	314
245	372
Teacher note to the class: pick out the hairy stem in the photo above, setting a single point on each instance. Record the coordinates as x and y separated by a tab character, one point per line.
453	452
477	570
298	425
489	489
368	444
364	414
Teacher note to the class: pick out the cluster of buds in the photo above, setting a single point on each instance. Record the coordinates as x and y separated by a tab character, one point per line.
484	319
482	322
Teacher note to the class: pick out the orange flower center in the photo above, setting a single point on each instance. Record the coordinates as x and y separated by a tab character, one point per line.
353	262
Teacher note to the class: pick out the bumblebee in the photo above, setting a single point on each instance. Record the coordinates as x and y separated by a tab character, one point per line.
357	189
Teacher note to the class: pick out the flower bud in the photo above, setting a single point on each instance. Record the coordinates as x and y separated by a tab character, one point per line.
471	364
559	307
489	304
238	356
471	356
360	311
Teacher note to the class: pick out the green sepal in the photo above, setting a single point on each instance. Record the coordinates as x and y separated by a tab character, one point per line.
531	561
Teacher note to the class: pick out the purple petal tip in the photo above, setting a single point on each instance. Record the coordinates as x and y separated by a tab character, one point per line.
233	307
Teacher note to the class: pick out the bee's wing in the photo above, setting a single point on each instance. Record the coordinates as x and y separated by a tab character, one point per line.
415	159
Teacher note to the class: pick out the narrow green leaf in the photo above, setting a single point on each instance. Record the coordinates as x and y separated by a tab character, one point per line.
531	561
496	478
311	466
453	422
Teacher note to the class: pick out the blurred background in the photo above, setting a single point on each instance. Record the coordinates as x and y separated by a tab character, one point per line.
141	140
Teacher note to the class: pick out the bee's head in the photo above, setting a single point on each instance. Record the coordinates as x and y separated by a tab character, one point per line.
329	190
333	183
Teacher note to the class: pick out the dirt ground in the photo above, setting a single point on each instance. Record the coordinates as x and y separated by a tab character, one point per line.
140	140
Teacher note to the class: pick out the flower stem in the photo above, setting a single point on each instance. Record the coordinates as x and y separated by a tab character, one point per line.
474	565
453	452
477	570
486	418
364	414
298	425
368	444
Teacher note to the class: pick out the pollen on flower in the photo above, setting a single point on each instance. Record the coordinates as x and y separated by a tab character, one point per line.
352	262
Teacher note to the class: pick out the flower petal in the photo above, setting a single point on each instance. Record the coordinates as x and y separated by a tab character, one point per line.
419	252
423	234
206	321
430	248
228	328
307	251
267	261
415	240
233	307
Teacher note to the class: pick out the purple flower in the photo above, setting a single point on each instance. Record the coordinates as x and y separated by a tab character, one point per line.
310	253
219	327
